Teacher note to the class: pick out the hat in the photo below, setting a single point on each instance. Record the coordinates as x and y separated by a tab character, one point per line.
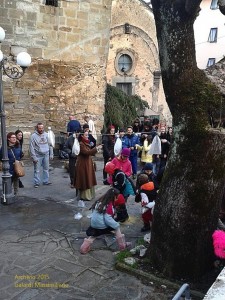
125	152
148	166
110	168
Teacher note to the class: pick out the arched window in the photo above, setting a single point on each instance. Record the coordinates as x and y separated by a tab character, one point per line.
125	63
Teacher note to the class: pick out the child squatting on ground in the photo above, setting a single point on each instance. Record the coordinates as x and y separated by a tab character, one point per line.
102	221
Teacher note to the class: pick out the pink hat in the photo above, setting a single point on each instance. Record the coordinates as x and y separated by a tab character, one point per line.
125	152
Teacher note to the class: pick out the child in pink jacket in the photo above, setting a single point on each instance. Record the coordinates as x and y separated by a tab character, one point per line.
122	162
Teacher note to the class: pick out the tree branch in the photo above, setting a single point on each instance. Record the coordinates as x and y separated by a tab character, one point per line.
192	6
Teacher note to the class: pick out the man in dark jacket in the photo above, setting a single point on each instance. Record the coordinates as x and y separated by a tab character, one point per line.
72	157
165	147
108	142
155	157
131	141
73	126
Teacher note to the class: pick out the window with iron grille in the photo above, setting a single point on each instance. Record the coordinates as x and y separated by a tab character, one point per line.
126	87
52	2
125	63
211	62
214	4
213	35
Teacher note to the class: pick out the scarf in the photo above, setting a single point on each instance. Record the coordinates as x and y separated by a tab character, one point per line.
84	140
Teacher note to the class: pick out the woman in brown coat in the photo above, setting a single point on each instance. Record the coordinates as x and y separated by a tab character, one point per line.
85	179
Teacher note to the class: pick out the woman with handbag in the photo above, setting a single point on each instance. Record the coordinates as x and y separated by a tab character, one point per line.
19	136
14	153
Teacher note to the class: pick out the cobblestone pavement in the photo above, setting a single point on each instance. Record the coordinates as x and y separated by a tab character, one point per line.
40	241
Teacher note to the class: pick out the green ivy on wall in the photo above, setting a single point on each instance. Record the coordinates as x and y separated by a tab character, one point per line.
120	109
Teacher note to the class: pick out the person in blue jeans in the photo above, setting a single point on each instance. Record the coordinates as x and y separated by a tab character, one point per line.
14	153
40	150
131	141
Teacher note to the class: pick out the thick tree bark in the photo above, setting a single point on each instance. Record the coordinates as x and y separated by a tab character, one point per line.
186	213
221	4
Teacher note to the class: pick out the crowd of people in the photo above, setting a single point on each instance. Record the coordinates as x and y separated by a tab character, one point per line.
133	160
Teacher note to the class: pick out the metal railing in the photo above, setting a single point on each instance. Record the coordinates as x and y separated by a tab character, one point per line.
184	290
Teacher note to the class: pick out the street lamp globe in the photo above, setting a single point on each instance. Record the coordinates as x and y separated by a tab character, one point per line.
23	59
1	56
2	34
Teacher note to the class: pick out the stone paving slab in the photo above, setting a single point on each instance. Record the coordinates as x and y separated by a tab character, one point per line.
40	241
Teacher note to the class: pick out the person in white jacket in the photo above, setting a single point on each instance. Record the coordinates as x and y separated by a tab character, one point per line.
91	125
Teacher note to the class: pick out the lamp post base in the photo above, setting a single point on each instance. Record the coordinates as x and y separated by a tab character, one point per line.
7	197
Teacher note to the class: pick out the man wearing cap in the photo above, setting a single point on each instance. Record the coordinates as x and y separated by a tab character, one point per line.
131	141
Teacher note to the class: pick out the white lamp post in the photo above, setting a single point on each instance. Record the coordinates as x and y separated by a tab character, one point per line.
14	71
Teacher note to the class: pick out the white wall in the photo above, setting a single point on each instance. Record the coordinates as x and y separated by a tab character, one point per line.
209	18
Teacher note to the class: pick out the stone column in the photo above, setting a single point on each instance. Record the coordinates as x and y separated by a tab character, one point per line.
155	90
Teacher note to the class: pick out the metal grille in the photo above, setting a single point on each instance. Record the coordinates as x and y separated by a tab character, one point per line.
52	2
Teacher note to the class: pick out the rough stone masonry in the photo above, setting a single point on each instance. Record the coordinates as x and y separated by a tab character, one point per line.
69	48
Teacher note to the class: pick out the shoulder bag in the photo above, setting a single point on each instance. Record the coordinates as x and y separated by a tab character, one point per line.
18	167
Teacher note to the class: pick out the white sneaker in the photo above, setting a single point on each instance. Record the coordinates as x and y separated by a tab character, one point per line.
81	203
78	216
89	216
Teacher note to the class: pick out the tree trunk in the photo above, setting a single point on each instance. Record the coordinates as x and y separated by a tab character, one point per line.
186	213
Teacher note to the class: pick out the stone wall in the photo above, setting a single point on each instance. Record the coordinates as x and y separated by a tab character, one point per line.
69	48
141	44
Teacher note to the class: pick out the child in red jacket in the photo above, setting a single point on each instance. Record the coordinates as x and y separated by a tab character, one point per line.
147	196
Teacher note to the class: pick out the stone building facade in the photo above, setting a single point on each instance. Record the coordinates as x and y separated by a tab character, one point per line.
72	49
68	41
133	61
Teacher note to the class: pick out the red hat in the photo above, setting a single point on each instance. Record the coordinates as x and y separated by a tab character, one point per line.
110	168
125	152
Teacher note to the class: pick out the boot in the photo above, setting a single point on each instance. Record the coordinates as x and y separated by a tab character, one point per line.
122	243
146	227
21	184
86	246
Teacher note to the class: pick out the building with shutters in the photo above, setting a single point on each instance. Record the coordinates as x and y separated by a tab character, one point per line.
209	30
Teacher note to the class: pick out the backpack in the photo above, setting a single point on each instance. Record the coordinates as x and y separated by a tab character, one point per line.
127	186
